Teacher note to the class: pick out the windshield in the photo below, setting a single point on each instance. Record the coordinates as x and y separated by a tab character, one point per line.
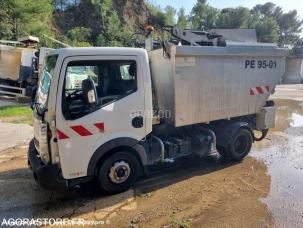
45	82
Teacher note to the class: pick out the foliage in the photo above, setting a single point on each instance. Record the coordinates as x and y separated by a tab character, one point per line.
267	30
170	13
158	17
298	48
114	32
79	36
233	18
289	24
102	8
290	27
107	26
16	114
24	17
182	19
269	20
203	15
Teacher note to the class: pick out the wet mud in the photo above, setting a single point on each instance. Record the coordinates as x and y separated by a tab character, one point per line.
282	153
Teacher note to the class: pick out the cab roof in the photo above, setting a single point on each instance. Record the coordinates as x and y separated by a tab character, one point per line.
66	52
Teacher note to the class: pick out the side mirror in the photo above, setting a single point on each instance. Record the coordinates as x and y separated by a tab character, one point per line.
89	92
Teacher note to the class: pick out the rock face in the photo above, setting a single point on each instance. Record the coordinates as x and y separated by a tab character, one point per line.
85	14
133	12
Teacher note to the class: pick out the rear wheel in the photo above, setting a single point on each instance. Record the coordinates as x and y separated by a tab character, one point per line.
118	172
239	146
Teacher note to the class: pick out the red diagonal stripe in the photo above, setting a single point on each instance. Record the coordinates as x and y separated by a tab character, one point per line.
267	88
81	130
61	135
252	92
260	90
100	126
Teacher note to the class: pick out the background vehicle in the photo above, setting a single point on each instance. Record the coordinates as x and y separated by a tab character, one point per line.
17	61
127	109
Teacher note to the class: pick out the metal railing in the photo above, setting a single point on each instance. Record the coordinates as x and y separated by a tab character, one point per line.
12	90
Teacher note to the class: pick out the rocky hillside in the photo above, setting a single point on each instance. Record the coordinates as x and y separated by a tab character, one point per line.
86	15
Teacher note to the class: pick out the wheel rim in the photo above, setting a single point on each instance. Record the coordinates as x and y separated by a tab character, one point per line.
240	145
119	172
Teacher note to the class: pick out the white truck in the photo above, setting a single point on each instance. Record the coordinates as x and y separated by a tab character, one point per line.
134	108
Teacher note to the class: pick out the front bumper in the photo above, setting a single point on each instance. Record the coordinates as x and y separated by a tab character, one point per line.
48	176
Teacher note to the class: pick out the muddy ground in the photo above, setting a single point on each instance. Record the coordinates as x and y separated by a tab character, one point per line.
265	190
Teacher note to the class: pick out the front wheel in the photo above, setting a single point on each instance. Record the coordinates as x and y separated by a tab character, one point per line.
239	146
118	172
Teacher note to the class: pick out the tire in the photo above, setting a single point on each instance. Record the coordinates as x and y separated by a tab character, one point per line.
239	146
118	172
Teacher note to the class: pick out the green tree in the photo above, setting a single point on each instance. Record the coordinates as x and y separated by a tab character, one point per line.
182	19
290	25
158	17
298	48
261	18
233	18
266	10
203	15
290	28
170	13
79	37
6	25
25	17
115	34
113	31
102	8
267	30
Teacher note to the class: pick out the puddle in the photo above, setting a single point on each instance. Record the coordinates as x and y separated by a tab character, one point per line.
289	114
282	152
296	120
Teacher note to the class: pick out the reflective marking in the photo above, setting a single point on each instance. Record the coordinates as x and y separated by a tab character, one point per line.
259	90
81	130
61	135
100	126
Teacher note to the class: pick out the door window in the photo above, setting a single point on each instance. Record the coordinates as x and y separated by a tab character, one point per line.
113	80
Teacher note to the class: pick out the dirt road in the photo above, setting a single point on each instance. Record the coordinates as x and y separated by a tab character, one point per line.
265	190
14	134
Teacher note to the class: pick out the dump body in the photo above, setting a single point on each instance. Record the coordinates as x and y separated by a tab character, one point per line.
10	61
15	63
204	84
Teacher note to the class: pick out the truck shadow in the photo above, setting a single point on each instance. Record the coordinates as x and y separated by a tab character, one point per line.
165	175
22	197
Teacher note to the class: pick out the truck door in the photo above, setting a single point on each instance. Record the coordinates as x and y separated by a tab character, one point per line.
120	93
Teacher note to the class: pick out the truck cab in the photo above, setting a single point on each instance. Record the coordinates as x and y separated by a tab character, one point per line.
67	126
